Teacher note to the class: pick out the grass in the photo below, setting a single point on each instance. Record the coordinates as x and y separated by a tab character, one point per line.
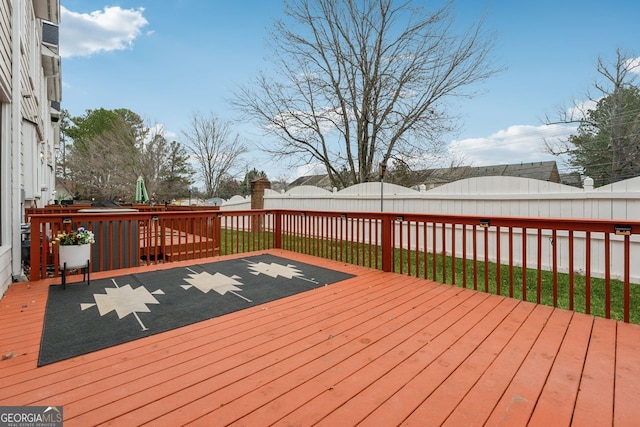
234	241
532	278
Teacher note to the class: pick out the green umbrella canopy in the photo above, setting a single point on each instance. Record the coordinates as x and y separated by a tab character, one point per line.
141	191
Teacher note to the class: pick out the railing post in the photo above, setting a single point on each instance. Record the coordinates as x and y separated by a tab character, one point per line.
626	280
34	250
217	234
278	229
386	244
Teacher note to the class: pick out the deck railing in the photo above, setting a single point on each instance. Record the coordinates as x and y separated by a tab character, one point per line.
579	264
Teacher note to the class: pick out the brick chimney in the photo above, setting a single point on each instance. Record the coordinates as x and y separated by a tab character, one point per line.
257	200
257	192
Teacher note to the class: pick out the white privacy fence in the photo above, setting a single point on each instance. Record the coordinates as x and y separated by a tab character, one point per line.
489	197
511	245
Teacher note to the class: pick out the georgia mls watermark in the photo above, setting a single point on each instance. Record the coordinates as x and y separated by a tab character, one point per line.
30	416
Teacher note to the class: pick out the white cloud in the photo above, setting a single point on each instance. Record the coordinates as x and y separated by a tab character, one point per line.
113	28
633	65
519	143
309	169
579	109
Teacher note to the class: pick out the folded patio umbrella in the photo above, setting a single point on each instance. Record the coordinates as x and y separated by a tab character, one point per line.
141	191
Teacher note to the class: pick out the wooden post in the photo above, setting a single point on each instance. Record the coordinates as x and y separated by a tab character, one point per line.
387	247
278	229
35	250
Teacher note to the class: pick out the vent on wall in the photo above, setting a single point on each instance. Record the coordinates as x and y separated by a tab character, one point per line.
50	34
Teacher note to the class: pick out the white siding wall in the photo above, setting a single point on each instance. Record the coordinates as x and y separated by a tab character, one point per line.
5	51
6	79
27	133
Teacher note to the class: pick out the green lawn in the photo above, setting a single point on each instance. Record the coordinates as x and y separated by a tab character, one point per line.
597	293
405	263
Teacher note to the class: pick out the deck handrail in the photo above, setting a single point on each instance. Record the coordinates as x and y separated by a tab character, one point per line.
488	253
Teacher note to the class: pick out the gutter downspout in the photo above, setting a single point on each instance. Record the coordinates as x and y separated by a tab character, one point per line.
16	202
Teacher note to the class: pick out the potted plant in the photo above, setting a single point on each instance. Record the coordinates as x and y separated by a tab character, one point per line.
75	248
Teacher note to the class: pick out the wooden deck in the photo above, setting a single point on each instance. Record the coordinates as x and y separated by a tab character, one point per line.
378	349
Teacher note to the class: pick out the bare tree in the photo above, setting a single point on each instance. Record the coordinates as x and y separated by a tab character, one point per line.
111	148
164	165
357	82
102	165
606	144
215	150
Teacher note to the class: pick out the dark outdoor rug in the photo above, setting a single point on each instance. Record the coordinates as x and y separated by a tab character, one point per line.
81	319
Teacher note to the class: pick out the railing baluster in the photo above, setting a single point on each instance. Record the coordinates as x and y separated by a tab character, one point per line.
434	252
443	233
244	233
425	250
400	244
464	255
417	251
539	283
607	275
305	235
378	241
498	264
524	264
323	237
350	226
571	272
486	259
510	262
409	243
626	280
475	257
228	232
332	239
341	238
369	242
358	242
453	254
554	263
101	227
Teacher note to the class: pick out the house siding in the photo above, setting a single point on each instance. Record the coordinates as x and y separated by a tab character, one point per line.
5	52
28	135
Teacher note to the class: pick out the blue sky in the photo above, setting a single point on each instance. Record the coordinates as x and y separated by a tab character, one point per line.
167	60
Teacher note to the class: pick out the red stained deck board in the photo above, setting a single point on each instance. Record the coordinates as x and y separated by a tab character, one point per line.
594	405
476	406
473	329
220	346
357	348
279	362
558	396
237	361
162	344
379	348
423	348
519	400
437	408
627	383
372	363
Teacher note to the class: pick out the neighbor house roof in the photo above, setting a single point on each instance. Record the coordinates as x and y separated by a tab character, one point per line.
315	180
544	171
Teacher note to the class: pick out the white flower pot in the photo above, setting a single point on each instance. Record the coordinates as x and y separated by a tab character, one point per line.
75	256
